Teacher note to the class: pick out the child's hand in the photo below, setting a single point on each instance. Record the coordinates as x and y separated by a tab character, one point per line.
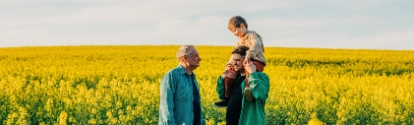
246	60
250	67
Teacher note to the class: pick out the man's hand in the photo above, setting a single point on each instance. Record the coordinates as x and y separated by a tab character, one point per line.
250	67
229	74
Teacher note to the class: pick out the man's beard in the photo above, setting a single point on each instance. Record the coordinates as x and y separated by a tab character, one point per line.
240	70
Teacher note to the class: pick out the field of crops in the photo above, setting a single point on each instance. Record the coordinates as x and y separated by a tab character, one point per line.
120	84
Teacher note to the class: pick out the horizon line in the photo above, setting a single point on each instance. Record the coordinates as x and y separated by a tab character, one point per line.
120	45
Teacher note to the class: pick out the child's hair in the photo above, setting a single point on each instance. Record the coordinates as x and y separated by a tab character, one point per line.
235	22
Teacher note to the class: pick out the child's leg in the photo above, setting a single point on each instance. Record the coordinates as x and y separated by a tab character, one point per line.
227	84
224	101
247	91
259	68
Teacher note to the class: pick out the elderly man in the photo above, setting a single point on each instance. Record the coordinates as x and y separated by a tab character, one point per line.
179	93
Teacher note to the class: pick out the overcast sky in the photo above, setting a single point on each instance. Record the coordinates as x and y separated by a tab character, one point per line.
369	24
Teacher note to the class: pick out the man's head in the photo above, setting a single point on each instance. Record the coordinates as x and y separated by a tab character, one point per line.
238	55
187	55
238	26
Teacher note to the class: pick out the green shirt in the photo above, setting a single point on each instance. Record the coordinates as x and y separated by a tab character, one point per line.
253	112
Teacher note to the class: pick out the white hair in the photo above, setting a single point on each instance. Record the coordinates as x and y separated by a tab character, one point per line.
184	50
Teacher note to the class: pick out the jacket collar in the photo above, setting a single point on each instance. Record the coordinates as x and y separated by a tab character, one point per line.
182	71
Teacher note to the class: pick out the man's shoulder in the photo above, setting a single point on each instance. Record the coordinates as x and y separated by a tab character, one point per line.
171	76
173	72
260	74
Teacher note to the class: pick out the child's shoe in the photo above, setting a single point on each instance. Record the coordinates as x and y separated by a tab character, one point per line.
221	104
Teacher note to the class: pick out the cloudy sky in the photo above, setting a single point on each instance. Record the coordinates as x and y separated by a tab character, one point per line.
368	24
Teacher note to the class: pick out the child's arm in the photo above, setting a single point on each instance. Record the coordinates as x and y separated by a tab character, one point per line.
256	45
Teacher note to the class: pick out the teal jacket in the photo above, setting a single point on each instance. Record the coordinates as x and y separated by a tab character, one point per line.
253	113
178	102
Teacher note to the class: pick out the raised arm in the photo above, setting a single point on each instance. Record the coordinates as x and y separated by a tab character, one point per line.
259	84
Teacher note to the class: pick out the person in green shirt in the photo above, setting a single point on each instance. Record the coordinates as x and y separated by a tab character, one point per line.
239	110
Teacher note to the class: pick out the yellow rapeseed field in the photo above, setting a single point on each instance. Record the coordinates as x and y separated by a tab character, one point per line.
120	85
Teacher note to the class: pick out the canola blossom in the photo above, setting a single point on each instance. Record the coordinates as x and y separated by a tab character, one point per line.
120	84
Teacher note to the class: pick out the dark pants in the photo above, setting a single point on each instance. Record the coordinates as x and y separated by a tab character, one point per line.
234	109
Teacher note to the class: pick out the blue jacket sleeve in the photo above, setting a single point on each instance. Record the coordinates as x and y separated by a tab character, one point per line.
167	92
259	84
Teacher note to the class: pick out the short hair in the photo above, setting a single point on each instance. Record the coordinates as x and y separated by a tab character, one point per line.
235	22
242	50
184	50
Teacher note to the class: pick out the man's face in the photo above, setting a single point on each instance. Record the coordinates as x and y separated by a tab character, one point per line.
237	62
193	59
